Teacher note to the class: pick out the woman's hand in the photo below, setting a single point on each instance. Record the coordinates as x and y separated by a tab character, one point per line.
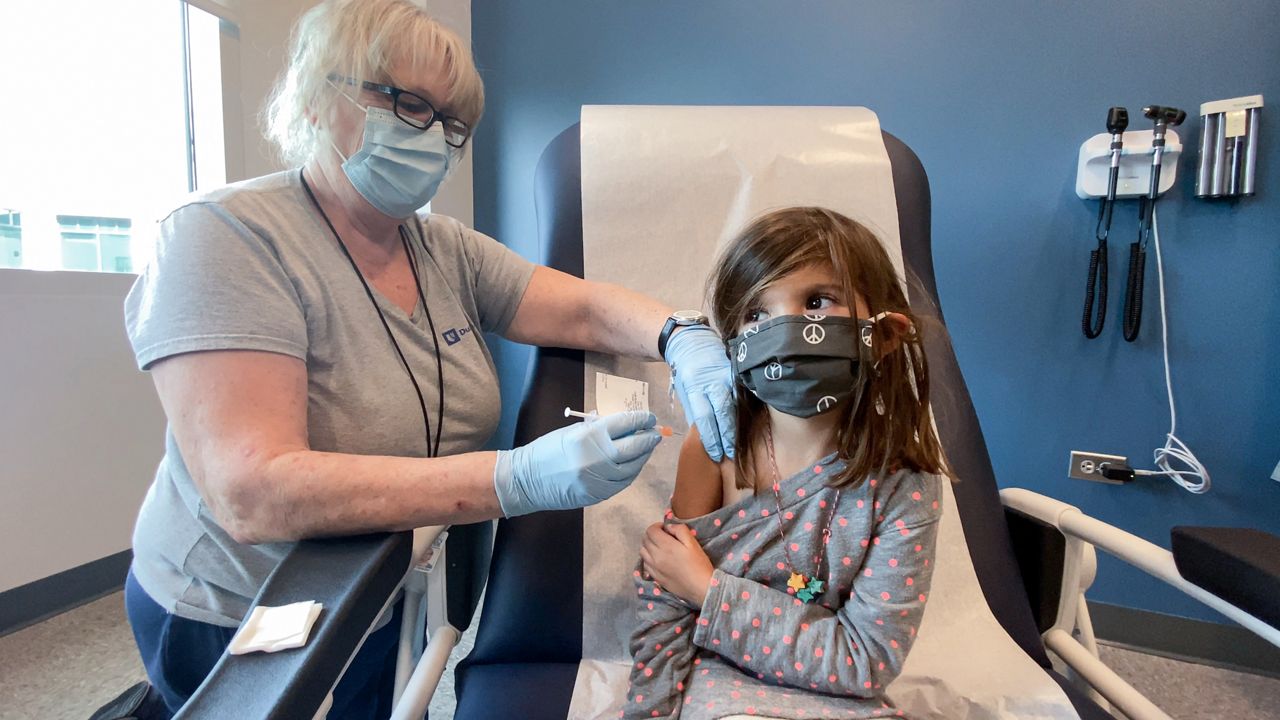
673	557
704	380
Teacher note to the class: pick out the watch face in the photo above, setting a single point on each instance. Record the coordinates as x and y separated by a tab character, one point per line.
688	317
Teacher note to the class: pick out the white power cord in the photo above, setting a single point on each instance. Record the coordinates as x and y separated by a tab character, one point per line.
1196	477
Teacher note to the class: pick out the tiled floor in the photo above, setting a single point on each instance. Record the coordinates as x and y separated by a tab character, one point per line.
64	668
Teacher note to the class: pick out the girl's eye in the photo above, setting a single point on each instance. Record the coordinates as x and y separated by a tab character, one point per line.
819	302
754	315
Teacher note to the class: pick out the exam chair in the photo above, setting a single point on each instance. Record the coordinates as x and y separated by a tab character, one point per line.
529	640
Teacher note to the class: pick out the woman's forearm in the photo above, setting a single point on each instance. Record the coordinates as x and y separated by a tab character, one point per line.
624	322
304	493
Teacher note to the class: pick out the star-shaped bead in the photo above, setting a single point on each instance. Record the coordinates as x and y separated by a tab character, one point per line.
815	586
797	582
806	595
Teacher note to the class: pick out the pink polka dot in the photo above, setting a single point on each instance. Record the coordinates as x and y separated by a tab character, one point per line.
657	646
843	522
751	710
657	590
746	595
919	548
808	526
648	672
880	666
921	597
899	523
716	522
755	622
867	572
822	503
804	626
865	542
786	639
679	629
904	532
777	611
639	698
817	652
650	606
704	622
795	547
935	504
735	634
789	515
777	487
764	513
817	468
848	660
875	540
639	665
893	643
728	556
767	649
800	492
846	561
915	495
911	581
782	566
724	607
636	573
866	684
745	557
734	536
714	582
893	562
799	665
831	678
735	694
874	482
746	658
742	513
876	505
884	595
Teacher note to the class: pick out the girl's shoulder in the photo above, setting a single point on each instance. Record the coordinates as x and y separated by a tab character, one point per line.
908	494
700	481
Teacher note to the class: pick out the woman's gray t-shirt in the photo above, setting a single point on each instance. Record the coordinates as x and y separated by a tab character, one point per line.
253	266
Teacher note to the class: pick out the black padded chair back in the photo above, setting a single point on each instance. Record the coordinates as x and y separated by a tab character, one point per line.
533	605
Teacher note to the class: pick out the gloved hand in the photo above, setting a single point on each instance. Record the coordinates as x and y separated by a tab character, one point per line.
575	466
703	379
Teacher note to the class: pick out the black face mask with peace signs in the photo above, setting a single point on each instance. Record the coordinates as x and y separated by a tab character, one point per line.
802	365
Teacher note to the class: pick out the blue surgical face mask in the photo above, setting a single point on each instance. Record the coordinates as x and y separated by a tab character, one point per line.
398	168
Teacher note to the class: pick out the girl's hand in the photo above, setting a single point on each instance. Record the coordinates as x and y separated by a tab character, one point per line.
673	557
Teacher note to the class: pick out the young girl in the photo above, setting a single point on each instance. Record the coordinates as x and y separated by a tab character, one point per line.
790	581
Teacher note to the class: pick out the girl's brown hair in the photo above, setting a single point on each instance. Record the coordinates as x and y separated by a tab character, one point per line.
872	443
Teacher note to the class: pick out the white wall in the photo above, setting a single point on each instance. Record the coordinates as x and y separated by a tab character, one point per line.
81	430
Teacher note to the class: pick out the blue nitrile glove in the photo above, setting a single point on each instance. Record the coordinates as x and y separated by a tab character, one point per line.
703	379
575	466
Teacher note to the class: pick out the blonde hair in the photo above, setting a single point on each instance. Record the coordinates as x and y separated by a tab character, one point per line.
363	40
889	425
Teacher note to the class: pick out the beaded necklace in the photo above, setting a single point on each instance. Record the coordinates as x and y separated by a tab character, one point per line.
806	588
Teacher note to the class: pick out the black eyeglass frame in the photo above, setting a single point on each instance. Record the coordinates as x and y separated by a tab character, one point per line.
447	122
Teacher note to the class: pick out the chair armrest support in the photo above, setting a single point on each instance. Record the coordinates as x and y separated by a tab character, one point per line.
355	578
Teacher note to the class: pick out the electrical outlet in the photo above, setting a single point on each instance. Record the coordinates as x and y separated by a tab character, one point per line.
1088	466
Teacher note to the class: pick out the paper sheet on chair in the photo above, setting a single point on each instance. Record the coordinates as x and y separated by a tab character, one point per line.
662	189
271	629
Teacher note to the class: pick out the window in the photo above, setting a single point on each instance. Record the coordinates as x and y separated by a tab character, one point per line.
111	120
10	238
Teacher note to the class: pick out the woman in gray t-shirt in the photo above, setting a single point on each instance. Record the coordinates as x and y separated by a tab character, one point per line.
317	347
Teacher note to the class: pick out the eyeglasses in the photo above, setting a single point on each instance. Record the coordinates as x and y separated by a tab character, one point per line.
415	110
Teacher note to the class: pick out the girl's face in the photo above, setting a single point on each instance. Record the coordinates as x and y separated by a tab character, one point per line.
811	290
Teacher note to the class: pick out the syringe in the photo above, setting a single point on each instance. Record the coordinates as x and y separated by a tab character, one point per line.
663	430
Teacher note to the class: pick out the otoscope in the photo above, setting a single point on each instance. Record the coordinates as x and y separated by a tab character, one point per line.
1096	287
1164	118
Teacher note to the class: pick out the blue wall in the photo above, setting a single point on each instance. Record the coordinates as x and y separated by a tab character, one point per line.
996	98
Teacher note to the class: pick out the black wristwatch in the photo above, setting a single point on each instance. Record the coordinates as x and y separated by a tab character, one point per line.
679	318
